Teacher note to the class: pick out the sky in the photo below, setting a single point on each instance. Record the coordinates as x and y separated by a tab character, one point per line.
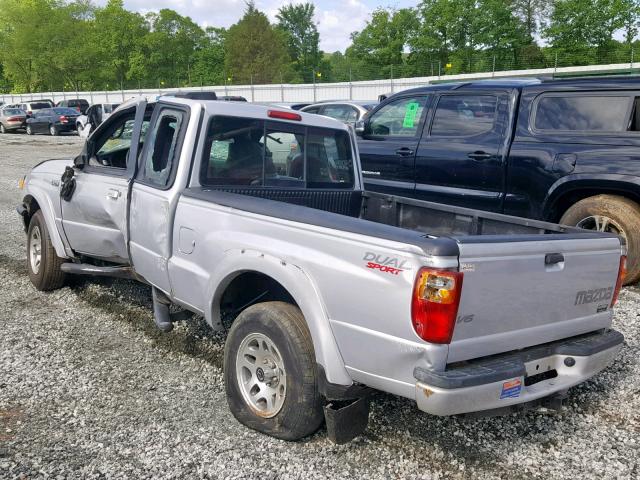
335	19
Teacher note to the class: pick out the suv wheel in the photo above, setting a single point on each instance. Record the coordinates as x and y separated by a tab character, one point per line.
613	214
53	130
270	372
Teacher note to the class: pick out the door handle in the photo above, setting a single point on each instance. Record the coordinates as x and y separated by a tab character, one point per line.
479	155
113	194
404	152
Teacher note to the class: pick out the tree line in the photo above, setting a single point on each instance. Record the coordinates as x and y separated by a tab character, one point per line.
51	45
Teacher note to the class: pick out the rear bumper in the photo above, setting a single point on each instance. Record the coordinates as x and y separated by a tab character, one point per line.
514	378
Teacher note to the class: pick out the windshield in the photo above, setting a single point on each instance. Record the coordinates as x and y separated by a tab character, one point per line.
13	111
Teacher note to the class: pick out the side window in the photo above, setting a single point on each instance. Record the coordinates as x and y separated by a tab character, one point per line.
112	144
584	113
464	115
312	110
162	150
339	112
400	118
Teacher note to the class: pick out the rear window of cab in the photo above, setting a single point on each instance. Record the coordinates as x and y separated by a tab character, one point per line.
256	153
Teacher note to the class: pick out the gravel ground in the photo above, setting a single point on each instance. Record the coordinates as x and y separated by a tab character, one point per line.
90	389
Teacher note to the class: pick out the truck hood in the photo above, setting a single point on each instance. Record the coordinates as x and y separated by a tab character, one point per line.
53	166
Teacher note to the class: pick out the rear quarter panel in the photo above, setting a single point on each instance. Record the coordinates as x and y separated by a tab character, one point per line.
366	311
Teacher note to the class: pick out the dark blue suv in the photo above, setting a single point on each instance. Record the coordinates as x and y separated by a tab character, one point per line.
565	151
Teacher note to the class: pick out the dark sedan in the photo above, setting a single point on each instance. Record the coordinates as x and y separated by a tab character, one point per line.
53	121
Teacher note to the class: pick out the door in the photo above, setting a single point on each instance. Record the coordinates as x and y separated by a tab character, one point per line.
389	143
460	159
153	199
40	122
94	218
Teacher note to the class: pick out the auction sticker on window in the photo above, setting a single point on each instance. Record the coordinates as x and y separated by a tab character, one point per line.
511	389
410	113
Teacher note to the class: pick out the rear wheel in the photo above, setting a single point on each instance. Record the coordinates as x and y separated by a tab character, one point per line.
613	214
270	374
29	130
42	262
53	131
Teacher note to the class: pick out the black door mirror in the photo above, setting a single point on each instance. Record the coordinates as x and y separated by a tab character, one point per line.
360	127
80	161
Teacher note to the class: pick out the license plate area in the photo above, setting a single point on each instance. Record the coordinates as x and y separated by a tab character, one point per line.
540	370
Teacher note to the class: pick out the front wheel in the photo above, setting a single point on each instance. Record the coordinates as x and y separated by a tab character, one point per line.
42	262
613	214
2	129
270	374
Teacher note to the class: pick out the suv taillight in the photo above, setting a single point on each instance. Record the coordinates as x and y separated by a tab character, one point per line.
434	308
622	271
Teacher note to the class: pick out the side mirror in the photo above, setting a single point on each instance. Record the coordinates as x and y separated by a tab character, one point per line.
80	161
360	127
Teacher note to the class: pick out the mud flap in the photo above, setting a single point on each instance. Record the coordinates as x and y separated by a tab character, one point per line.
346	419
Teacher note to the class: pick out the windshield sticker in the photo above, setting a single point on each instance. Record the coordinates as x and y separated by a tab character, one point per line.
511	389
410	114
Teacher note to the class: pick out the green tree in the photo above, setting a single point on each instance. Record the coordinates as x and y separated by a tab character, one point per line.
118	36
208	68
577	25
379	48
168	49
255	51
296	22
532	14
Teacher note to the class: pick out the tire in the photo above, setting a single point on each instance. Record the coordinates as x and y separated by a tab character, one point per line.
45	273
296	408
29	130
2	129
614	214
53	131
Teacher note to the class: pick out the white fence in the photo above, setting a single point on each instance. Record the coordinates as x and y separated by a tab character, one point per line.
365	90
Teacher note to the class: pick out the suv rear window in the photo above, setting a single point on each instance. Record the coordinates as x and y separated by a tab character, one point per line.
582	113
252	152
39	106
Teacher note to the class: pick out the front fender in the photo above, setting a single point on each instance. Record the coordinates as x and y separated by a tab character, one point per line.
301	287
45	203
582	181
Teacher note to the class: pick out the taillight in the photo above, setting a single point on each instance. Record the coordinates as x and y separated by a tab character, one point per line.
63	119
14	119
436	297
29	112
622	271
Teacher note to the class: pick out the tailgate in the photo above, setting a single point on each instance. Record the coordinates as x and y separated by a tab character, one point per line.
517	294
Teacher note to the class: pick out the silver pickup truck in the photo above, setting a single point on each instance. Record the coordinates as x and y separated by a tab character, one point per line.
255	218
